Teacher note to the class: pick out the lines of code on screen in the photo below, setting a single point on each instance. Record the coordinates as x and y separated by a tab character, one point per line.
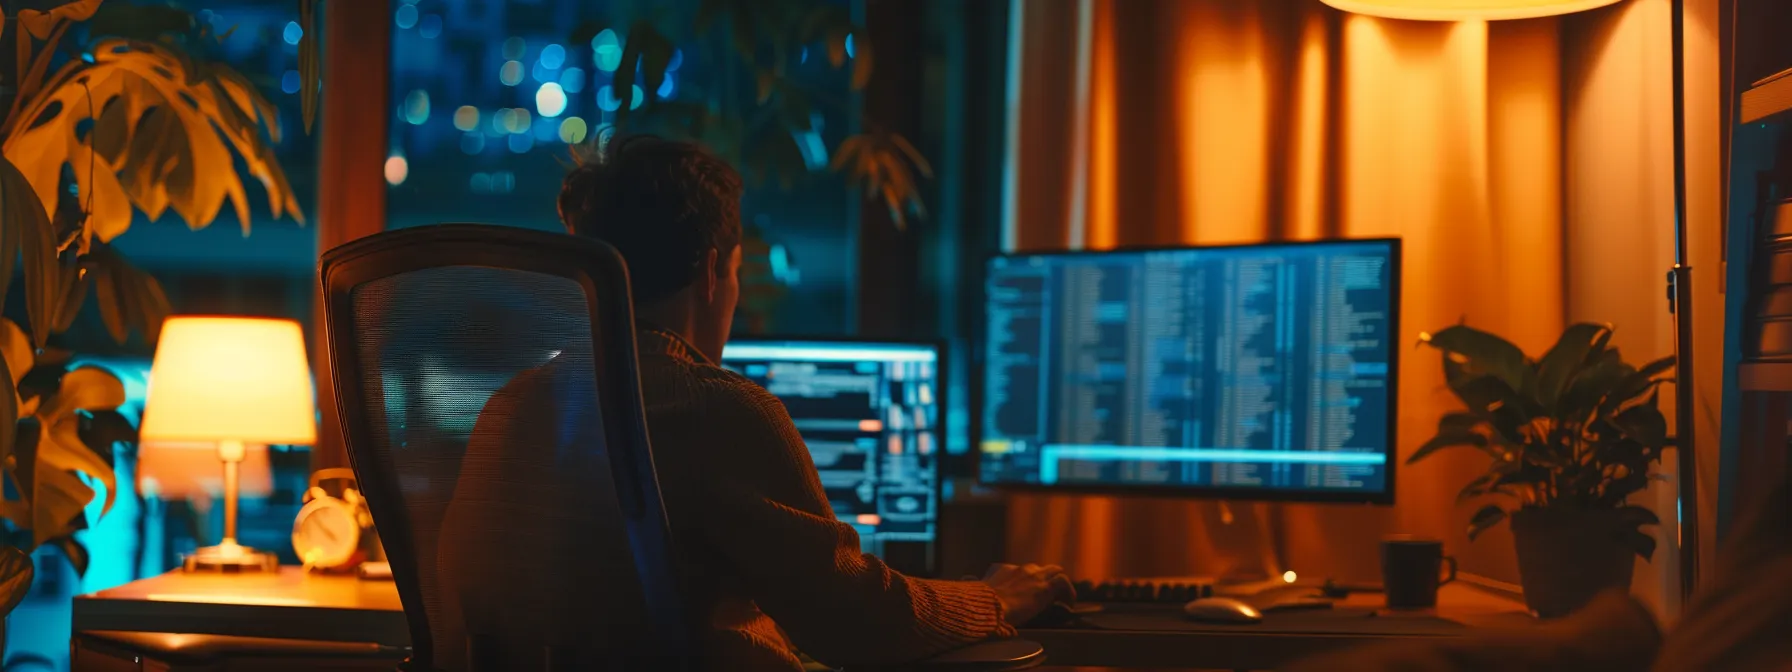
870	417
1253	368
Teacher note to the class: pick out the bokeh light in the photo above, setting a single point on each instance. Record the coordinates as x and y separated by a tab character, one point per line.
521	143
466	118
416	107
606	50
290	82
550	100
513	49
397	169
572	130
553	56
511	74
293	32
572	80
405	17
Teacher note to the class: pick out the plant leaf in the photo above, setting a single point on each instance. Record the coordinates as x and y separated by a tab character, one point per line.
1645	423
1640	542
60	447
9	421
75	552
1487	517
1567	358
88	388
1449	440
21	208
41	22
19	357
1637	516
16	572
1480	353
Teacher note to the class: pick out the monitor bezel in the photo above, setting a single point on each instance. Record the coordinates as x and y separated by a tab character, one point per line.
935	556
1385	497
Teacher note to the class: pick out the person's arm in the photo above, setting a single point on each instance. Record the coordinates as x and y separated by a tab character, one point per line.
771	520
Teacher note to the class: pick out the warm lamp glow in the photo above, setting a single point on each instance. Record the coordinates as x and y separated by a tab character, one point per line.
1465	10
230	379
233	382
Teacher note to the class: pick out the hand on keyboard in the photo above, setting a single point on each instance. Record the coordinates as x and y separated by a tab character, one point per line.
1026	591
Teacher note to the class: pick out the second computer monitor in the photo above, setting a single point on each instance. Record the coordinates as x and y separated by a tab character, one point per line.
1252	372
869	412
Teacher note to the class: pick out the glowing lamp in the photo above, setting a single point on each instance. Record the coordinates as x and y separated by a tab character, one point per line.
237	385
1465	10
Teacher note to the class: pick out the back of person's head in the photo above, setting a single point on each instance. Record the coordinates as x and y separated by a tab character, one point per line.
663	204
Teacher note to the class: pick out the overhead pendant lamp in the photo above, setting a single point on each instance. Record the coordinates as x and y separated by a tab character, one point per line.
1465	10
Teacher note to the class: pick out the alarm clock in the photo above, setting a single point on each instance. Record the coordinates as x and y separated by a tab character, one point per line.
329	530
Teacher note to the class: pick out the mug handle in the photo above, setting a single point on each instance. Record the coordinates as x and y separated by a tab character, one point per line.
1452	575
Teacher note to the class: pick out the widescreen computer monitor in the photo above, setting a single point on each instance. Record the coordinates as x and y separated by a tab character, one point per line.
1250	372
870	414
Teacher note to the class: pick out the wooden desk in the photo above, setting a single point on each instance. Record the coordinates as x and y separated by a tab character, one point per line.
293	605
1265	646
289	604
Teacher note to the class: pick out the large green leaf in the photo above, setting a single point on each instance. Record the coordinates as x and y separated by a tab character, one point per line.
24	211
645	49
1481	353
88	388
1570	353
58	497
1451	440
1485	518
1638	384
1643	544
1645	423
1593	385
60	447
15	578
9	417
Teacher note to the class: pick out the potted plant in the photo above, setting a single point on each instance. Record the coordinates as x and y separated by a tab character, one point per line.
89	136
1570	437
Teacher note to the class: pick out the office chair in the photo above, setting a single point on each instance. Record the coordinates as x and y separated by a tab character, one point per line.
518	540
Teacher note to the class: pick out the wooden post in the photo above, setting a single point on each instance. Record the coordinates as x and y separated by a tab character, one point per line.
351	189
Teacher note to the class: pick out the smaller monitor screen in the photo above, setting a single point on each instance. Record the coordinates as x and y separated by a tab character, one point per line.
870	414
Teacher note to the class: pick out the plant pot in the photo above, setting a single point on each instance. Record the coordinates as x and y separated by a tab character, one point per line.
1566	557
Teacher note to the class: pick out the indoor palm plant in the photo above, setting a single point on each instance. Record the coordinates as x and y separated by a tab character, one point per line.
91	136
1570	437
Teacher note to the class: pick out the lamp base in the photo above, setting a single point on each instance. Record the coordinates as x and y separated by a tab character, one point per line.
230	557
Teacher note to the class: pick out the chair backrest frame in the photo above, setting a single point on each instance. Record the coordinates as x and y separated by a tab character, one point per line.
603	275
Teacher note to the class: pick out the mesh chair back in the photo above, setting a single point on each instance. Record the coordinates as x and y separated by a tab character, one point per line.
486	383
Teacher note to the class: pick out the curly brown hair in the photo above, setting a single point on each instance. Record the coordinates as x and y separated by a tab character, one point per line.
663	204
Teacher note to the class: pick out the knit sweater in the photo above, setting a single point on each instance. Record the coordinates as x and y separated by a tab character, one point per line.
768	563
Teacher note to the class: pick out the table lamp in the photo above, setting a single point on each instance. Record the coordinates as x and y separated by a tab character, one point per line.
230	382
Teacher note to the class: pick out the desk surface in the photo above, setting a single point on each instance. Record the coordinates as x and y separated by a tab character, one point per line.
1146	638
290	603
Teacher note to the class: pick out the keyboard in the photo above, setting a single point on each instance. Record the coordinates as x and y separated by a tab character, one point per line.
1143	591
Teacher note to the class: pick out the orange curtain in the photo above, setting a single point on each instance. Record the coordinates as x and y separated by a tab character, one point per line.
1220	121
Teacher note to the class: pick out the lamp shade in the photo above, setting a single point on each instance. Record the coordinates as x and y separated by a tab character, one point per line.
1465	10
230	379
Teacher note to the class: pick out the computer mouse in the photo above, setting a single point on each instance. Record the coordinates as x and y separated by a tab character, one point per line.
1221	610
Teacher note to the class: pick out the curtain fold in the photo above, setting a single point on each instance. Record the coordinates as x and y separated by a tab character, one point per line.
1155	122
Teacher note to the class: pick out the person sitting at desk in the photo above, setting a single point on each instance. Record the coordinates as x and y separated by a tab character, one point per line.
770	569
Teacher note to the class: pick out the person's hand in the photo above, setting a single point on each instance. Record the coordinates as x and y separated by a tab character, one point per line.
1026	590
